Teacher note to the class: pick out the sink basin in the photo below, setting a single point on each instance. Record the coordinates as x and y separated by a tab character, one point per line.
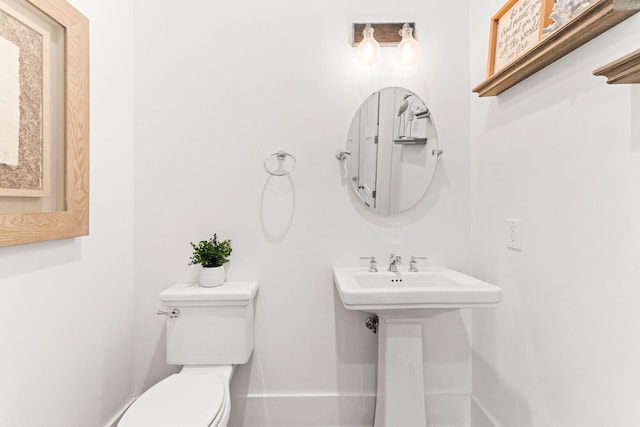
430	289
403	302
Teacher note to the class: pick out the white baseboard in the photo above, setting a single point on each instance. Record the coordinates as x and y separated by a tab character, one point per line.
479	417
116	419
302	410
338	410
335	410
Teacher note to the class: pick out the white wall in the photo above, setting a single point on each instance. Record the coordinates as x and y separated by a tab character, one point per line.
221	85
561	152
67	342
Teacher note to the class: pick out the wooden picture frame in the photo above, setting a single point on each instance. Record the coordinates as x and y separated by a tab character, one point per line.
72	219
515	29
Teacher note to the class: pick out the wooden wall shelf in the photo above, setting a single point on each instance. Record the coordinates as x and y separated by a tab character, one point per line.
595	20
624	70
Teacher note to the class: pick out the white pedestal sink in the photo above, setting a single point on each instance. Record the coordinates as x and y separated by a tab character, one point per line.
402	301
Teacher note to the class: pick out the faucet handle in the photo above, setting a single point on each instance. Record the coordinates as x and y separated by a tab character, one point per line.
373	265
413	264
395	259
170	314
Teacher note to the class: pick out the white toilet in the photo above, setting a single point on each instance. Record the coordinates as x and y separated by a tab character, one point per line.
209	330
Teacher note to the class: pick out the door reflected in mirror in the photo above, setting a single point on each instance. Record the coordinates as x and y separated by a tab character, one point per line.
394	150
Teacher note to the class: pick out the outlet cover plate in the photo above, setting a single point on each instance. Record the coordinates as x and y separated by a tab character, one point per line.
514	234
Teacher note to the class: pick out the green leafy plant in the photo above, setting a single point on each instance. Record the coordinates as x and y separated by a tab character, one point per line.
211	253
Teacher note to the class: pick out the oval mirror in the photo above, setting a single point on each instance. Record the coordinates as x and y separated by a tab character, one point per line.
393	150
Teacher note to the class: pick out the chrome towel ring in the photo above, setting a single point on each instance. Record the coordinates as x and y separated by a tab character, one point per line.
281	156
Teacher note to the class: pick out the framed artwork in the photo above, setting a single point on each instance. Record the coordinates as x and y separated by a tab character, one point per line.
44	121
515	29
24	115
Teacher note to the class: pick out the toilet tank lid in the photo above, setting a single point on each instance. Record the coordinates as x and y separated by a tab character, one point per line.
230	293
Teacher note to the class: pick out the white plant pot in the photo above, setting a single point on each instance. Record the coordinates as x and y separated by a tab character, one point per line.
211	276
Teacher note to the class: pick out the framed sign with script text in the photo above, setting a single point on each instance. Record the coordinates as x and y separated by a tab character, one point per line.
516	28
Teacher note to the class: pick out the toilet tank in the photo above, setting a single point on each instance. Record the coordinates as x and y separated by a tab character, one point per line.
215	325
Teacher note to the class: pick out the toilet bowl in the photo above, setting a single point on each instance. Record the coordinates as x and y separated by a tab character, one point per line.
209	331
197	396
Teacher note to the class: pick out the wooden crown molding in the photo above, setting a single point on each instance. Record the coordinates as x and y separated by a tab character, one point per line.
625	70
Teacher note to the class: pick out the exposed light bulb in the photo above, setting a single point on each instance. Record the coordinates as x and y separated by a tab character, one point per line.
409	49
369	48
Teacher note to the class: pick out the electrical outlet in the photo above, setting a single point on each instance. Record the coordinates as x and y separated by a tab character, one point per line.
514	235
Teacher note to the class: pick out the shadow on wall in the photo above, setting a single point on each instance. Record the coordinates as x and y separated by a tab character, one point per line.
516	409
24	259
277	207
354	342
562	82
635	112
357	348
158	363
238	390
246	409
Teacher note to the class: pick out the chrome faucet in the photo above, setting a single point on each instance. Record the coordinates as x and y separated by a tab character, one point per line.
394	261
373	265
413	265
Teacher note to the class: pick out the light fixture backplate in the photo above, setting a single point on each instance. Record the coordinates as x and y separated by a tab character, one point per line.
386	33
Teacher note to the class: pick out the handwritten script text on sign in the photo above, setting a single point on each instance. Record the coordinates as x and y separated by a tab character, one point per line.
518	30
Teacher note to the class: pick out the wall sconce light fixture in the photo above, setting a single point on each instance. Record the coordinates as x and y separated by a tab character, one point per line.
409	49
386	34
369	48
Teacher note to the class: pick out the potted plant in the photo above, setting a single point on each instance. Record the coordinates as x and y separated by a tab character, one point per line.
211	255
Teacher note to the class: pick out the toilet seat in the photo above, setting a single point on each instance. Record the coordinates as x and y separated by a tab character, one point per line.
196	397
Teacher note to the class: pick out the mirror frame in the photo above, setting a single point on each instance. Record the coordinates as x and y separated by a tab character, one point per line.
17	229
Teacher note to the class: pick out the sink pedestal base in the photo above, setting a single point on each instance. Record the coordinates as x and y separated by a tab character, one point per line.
403	301
400	395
